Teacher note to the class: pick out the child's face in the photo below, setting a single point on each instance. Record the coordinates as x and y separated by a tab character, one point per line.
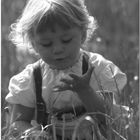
59	48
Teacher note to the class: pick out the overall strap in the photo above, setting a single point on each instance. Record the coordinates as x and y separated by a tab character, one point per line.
85	63
40	104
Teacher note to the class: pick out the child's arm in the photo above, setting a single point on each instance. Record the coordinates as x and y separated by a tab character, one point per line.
21	117
21	123
92	101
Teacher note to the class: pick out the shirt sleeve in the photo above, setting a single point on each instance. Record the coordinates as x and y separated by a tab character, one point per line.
112	78
21	89
106	75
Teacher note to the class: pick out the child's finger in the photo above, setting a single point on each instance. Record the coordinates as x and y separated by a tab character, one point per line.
66	81
63	87
74	76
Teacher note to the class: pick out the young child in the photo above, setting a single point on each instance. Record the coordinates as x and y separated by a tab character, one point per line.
57	30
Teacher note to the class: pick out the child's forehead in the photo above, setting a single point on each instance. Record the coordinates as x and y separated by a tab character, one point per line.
52	29
58	31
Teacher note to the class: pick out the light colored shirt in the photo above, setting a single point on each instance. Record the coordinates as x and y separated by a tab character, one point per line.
21	86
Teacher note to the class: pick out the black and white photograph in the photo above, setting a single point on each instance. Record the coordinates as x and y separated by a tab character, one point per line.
69	69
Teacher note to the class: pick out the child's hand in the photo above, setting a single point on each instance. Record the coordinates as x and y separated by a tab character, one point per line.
75	83
81	85
36	135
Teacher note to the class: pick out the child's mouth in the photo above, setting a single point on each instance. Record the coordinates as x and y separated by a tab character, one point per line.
60	59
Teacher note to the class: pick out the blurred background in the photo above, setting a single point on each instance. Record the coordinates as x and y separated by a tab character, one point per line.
116	39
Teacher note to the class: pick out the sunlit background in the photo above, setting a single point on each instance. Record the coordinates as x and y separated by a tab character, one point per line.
116	39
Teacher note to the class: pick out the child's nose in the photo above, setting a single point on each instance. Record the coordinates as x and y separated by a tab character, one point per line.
58	48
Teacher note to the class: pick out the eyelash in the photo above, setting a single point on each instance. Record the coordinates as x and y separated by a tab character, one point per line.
67	41
47	45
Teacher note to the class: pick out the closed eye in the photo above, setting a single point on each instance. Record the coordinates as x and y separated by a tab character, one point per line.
66	40
47	44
